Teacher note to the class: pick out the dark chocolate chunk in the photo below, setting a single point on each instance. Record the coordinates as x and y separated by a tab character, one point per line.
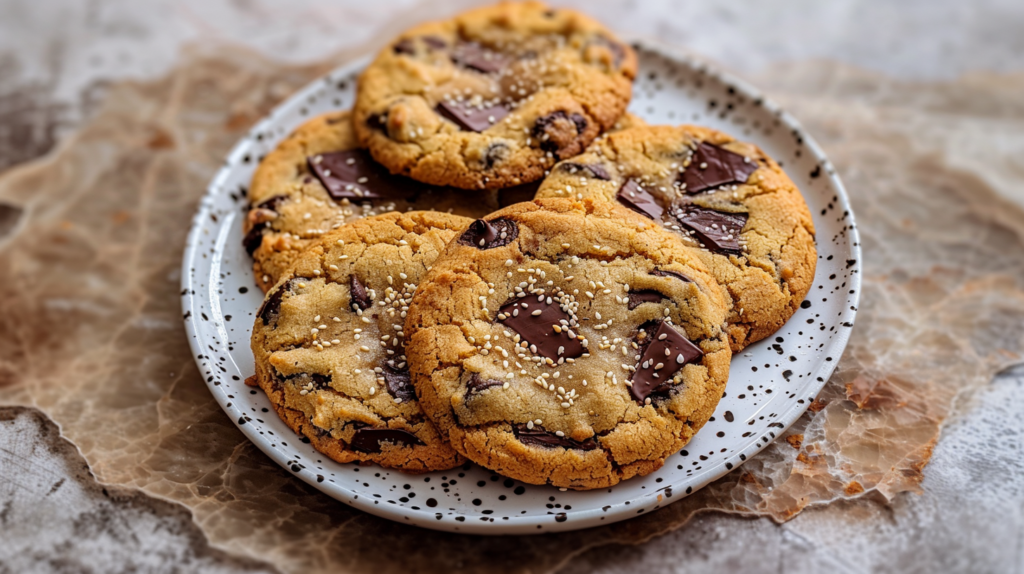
435	42
271	305
636	198
9	217
666	273
353	174
252	240
718	231
472	118
558	130
518	194
712	166
399	383
496	152
537	436
538	329
597	171
360	298
404	46
664	351
368	439
474	56
484	234
272	203
476	384
636	298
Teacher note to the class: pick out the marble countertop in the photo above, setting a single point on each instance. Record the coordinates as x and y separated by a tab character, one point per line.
58	58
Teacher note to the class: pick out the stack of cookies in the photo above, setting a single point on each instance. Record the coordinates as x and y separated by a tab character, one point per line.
488	259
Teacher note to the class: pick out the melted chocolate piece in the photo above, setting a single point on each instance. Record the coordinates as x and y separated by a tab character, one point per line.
368	439
596	171
474	56
252	240
718	231
537	436
721	166
663	346
518	194
272	203
558	130
399	384
636	198
476	384
360	298
636	298
353	174
472	118
435	42
484	234
666	273
404	46
538	330
271	305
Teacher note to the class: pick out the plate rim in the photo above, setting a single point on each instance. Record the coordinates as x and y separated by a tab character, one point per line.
581	519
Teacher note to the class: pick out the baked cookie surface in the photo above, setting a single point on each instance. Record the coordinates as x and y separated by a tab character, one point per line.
494	96
329	342
318	179
569	343
727	198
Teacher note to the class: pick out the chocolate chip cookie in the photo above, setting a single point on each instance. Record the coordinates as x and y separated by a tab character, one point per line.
329	342
570	343
724	197
319	179
494	96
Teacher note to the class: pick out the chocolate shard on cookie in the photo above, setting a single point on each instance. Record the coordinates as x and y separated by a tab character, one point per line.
474	56
477	384
639	200
637	298
544	326
595	170
352	174
484	234
537	436
398	383
717	231
372	440
712	166
665	352
360	298
470	117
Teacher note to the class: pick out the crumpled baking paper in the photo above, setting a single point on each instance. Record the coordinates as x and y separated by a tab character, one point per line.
91	331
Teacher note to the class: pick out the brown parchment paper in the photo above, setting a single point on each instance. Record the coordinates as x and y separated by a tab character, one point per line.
91	329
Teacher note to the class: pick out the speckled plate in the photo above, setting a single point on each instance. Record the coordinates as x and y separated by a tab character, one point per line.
770	386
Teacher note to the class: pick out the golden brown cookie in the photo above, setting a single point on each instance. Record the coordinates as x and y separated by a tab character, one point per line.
329	342
724	197
319	179
492	97
569	343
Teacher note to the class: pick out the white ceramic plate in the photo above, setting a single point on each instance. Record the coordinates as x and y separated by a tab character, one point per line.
770	386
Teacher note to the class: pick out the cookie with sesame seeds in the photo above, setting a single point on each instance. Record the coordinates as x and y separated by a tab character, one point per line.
318	179
329	342
494	96
725	198
570	343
